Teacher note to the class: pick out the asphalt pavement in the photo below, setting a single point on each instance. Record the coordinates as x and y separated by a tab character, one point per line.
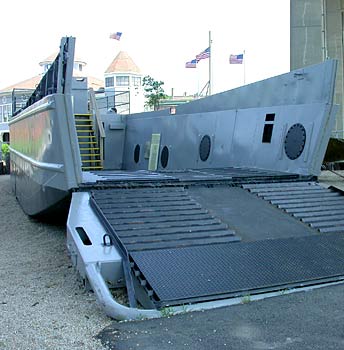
299	321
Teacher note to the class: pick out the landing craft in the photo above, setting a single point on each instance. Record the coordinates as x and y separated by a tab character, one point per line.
186	210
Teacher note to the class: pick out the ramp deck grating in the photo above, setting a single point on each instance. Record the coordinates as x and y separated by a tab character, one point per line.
212	272
181	252
160	218
321	208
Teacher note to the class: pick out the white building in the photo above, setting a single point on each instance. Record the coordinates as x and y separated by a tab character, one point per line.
124	75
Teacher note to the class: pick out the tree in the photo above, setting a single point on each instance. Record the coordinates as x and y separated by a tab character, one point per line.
153	92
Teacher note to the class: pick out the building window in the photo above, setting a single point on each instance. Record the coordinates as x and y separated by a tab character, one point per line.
46	67
122	81
5	113
136	81
77	67
109	81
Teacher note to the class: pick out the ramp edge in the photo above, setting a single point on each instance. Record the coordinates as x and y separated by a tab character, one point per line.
123	313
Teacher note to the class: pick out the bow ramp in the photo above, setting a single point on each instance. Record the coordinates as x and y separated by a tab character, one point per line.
228	207
177	239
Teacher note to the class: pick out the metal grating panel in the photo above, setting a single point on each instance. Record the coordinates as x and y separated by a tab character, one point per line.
217	271
159	218
319	207
180	253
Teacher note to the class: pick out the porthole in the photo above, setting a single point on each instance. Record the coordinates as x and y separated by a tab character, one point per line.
164	157
137	154
295	141
204	148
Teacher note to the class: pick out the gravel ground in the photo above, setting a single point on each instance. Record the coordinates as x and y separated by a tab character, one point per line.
42	303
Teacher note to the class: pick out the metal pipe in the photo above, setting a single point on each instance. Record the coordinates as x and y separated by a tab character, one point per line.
99	124
108	303
121	313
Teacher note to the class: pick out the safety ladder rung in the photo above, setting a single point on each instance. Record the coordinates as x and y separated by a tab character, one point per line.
90	155
92	161
89	149
87	142
87	136
78	121
92	167
82	114
88	126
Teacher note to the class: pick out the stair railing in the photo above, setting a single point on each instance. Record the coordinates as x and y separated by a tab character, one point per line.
100	132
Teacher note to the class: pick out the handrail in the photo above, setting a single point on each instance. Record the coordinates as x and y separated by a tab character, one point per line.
58	77
100	128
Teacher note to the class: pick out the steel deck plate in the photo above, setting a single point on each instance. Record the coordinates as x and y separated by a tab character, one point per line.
218	271
143	177
251	217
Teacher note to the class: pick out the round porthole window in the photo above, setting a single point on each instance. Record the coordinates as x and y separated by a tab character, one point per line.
137	154
295	141
204	148
164	157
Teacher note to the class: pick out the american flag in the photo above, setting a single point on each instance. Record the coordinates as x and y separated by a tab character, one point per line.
191	64
116	36
236	59
204	54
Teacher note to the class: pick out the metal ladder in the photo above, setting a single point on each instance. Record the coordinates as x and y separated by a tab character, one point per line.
88	144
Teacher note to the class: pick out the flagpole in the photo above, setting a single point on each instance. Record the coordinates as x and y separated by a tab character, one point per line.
211	53
197	72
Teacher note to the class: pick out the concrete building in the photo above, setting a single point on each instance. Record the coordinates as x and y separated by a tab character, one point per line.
316	33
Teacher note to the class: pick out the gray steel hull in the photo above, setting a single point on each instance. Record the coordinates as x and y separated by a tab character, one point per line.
45	164
278	124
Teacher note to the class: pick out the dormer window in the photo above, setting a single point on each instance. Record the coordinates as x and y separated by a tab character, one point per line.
122	80
109	82
136	81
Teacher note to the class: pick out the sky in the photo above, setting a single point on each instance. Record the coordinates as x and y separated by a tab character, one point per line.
160	37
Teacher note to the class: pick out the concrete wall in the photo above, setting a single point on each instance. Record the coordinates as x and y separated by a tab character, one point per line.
316	32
